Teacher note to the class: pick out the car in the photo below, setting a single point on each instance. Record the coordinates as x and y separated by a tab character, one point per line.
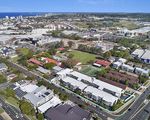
129	109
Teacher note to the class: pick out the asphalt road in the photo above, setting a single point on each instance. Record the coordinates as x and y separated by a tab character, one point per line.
14	113
4	85
144	114
136	105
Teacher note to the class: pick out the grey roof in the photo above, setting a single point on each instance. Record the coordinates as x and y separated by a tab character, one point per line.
67	112
13	86
20	93
57	68
2	65
37	95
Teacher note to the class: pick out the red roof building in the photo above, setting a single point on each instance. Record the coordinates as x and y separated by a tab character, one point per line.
102	63
61	49
48	60
32	60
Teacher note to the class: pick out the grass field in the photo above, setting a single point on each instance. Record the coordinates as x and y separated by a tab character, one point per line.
90	70
83	56
13	101
24	51
1	110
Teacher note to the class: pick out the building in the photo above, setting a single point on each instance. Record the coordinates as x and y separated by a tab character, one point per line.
57	69
103	63
67	112
3	67
127	68
43	70
116	65
80	82
49	60
122	60
73	84
143	55
132	33
146	57
39	96
34	61
50	104
142	72
100	96
23	87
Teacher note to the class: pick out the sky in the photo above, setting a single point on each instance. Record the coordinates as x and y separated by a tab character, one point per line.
75	6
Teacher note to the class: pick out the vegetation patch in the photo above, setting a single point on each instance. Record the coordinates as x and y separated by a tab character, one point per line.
83	56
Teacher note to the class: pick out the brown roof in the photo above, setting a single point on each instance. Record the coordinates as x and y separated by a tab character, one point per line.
113	83
122	77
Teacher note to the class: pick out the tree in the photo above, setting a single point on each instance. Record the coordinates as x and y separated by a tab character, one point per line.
52	51
70	63
126	82
142	79
49	65
26	108
70	43
63	97
102	72
70	55
107	54
40	116
2	79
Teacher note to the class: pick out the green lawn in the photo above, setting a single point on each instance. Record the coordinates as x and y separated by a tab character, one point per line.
83	56
13	101
24	51
90	70
31	117
1	110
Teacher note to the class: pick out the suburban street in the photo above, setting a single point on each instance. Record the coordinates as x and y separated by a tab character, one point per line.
136	105
12	111
143	114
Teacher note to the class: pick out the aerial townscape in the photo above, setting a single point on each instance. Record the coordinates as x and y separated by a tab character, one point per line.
74	65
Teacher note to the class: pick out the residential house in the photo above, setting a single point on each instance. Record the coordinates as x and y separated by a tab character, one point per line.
39	96
142	72
127	68
3	67
100	96
67	112
103	63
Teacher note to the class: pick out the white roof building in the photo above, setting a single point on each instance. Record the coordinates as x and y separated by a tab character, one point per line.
143	55
51	103
28	88
62	74
117	64
81	76
43	70
146	55
108	87
74	83
138	53
39	96
141	71
127	68
101	95
122	60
